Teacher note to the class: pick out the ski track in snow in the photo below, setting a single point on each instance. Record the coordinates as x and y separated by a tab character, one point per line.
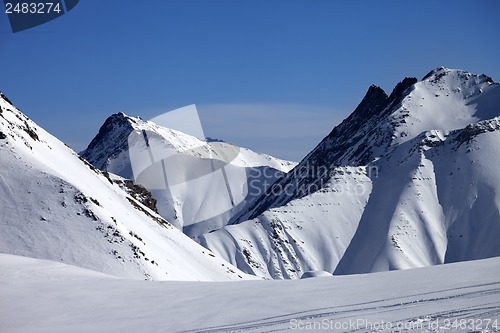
354	311
45	296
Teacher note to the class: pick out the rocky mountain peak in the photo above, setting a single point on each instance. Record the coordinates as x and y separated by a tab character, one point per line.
116	130
374	99
401	89
441	75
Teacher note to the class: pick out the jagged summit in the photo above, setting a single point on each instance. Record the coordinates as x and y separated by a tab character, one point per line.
446	99
440	72
356	141
198	184
372	102
109	150
117	128
400	90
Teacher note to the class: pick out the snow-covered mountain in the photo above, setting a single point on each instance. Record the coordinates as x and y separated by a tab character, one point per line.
199	185
407	180
54	205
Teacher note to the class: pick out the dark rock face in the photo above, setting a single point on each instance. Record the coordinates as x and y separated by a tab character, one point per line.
375	98
5	98
111	139
138	192
351	142
399	91
470	132
354	142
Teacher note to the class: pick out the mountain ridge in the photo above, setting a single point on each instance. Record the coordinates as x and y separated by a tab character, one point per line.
363	135
387	198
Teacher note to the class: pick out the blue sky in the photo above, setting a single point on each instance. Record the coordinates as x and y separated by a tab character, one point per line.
274	76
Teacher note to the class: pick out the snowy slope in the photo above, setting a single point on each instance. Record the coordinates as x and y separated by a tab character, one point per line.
407	180
199	185
306	234
44	296
55	206
443	206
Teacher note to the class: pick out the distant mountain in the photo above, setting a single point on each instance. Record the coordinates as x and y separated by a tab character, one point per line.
199	185
409	179
55	206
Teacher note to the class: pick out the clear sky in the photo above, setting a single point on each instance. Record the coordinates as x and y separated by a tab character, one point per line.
274	76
